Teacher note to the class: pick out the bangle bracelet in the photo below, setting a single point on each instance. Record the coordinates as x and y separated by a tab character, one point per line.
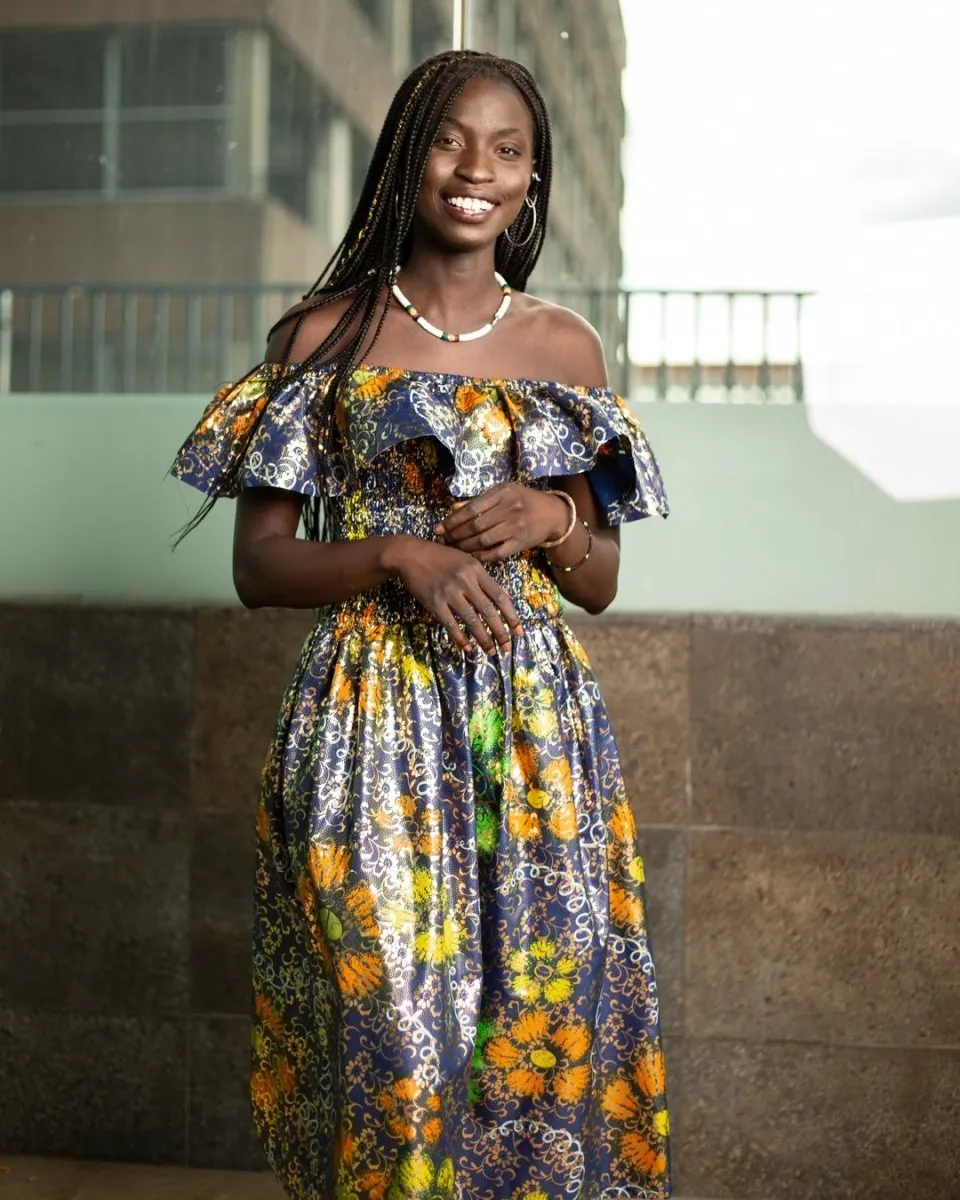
573	519
580	562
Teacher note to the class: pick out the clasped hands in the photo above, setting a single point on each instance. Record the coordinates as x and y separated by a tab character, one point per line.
503	521
449	576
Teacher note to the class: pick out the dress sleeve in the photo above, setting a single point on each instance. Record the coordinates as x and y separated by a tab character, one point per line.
591	431
261	432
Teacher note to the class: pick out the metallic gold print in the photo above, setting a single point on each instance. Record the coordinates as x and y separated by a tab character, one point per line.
454	993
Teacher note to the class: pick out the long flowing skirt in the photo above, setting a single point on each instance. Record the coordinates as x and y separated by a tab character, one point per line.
454	991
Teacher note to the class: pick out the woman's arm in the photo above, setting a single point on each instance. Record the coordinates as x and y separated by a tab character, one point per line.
511	517
592	586
580	358
273	567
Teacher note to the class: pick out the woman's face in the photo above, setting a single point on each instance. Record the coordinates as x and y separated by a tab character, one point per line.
479	167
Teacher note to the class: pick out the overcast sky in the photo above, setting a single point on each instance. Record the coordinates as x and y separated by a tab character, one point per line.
774	144
760	131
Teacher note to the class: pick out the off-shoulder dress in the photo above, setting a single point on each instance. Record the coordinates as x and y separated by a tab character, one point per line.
453	989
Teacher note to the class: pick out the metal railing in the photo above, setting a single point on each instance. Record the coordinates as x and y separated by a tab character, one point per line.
700	346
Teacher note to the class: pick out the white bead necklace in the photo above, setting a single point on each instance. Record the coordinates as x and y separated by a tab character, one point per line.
442	333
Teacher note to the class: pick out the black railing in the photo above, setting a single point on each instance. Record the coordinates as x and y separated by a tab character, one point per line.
703	346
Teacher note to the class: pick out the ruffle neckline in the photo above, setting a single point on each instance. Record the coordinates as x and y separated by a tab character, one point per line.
490	430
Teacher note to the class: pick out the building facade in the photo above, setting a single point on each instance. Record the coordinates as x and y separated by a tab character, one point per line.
221	144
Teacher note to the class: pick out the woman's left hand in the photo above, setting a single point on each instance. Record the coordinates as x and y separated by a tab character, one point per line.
506	520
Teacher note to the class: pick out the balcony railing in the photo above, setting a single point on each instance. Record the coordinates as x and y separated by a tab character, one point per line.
680	346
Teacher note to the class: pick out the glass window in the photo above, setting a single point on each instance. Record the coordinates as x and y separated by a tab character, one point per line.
361	152
47	70
429	32
51	158
280	112
173	65
77	108
297	113
172	154
376	11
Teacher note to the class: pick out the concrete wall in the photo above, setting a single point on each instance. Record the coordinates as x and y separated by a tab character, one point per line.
766	518
155	242
796	786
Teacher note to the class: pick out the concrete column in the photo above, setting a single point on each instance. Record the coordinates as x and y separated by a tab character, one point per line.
248	93
399	24
318	186
507	28
339	166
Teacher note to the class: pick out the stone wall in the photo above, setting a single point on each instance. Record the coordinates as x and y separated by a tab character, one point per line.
797	785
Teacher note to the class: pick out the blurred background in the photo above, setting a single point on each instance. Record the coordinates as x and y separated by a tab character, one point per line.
759	208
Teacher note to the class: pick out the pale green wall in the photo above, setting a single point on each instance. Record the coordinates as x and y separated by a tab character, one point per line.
766	518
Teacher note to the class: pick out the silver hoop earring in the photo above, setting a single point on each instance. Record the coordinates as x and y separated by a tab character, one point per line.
532	205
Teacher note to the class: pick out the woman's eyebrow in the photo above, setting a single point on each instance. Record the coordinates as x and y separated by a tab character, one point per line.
513	131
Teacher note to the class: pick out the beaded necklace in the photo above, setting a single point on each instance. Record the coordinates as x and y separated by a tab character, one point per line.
455	337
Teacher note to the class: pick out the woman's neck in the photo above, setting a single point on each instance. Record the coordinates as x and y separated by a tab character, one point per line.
451	290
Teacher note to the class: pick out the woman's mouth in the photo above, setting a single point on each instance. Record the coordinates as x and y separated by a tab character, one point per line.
471	209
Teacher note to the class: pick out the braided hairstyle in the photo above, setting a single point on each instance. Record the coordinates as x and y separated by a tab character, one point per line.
379	235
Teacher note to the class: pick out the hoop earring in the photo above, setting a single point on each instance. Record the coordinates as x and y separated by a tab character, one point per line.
532	205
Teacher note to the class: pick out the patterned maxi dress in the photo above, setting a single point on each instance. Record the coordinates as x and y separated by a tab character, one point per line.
453	987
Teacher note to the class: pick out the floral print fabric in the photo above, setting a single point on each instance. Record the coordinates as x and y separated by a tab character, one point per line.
454	992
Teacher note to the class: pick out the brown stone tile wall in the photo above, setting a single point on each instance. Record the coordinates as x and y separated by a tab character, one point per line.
797	791
131	742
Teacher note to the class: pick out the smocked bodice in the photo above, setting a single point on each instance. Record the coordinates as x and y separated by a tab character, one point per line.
404	445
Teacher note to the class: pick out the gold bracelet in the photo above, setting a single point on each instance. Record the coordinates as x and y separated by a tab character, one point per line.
580	562
573	519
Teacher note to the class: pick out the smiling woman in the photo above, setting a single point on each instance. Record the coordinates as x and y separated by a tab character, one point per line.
454	990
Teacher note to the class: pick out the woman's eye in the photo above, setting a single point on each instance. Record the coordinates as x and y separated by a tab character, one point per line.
511	151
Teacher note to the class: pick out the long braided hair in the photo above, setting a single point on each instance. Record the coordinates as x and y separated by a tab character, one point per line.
379	235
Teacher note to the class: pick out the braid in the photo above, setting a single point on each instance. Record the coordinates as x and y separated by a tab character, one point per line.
379	234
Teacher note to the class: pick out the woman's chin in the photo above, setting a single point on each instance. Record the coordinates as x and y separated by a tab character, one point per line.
460	238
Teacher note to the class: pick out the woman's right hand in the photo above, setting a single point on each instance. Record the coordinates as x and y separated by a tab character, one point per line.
459	592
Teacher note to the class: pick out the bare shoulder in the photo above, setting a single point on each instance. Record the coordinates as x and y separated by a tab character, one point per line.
303	328
570	342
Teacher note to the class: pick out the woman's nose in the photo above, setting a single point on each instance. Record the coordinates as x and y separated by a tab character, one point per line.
475	166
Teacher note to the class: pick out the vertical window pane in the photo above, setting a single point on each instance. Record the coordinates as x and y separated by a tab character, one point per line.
430	33
296	113
173	65
375	11
361	152
55	158
172	154
48	70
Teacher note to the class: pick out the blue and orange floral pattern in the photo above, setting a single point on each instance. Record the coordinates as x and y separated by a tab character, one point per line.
454	996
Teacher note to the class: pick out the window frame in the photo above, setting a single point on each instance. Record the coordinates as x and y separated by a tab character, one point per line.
110	115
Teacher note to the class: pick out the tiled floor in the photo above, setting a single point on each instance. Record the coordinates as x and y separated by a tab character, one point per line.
63	1179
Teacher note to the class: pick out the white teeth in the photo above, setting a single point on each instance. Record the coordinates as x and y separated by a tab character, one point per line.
470	204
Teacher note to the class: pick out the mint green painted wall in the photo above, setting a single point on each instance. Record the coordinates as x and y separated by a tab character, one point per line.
766	518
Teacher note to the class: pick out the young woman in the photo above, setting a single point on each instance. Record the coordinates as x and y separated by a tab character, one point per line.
454	994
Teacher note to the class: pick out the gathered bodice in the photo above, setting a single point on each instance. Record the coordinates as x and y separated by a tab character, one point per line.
403	446
405	491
